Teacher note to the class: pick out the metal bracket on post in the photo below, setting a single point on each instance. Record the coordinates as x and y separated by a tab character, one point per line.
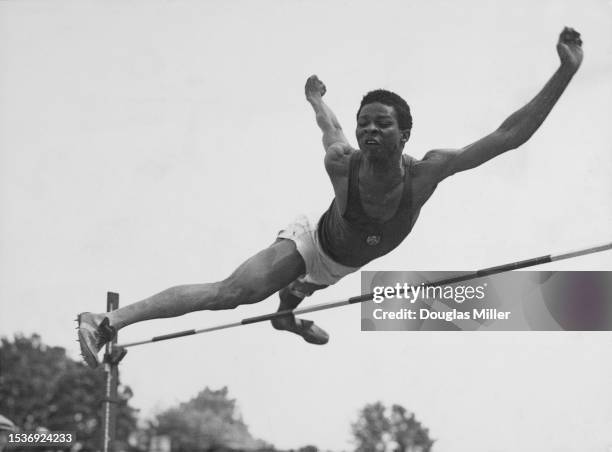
112	357
115	356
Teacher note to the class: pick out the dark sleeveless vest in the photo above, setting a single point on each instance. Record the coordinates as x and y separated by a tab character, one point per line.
354	239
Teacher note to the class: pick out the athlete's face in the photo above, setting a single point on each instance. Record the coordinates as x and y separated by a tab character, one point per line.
378	133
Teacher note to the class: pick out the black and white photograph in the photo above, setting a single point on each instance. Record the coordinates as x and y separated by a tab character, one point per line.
305	226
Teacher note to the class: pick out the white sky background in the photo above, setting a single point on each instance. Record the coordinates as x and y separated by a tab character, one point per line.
148	144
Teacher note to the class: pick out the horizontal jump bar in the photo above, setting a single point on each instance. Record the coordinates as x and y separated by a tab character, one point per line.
367	297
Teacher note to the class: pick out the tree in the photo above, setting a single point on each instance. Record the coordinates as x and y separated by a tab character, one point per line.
370	428
207	422
40	386
408	433
309	448
398	431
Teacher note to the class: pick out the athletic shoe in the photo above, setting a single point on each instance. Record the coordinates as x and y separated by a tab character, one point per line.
309	331
93	337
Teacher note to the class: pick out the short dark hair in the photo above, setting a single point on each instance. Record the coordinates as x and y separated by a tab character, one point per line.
402	110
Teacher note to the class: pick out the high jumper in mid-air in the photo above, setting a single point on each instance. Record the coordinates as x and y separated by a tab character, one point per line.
378	195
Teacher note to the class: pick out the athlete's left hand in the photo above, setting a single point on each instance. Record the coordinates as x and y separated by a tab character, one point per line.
569	48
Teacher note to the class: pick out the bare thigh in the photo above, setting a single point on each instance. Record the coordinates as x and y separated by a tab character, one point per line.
263	274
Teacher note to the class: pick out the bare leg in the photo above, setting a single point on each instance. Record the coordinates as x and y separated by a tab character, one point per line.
255	280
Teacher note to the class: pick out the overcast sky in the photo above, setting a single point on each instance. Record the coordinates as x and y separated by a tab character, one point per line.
148	144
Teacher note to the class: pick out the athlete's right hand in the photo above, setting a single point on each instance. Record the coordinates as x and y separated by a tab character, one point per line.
315	88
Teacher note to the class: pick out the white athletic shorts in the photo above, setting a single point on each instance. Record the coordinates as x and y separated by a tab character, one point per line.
321	269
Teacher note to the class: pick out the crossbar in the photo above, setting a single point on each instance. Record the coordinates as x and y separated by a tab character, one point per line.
367	297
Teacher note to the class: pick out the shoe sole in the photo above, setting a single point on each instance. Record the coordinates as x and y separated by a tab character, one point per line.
90	358
307	331
313	338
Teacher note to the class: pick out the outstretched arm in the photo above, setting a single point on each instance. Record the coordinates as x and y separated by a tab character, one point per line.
326	119
522	124
337	148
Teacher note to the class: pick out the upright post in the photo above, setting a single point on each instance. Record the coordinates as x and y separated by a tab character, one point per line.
112	376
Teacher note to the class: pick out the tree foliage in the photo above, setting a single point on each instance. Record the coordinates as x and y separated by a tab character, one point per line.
379	429
309	448
41	387
209	421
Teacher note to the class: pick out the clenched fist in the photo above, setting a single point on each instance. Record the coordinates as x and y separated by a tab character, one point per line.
569	48
315	88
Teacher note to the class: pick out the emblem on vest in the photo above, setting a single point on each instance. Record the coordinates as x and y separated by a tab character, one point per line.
373	240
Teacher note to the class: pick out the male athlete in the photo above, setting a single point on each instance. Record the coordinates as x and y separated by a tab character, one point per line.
378	192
